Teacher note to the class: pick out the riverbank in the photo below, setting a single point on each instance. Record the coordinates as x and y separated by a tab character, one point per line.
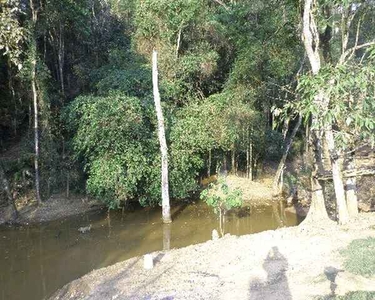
55	208
290	263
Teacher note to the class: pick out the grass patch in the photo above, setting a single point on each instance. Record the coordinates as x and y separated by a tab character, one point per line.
360	295
360	258
357	296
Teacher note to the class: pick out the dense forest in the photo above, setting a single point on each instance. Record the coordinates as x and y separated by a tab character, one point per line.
243	83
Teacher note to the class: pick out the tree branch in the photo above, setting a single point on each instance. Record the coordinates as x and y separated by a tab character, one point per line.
352	50
222	4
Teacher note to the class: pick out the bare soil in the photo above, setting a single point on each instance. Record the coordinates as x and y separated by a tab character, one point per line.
254	192
56	207
290	263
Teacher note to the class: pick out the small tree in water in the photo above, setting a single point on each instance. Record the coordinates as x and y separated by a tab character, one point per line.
221	198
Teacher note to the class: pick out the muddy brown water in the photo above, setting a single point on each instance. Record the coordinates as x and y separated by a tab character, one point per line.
37	260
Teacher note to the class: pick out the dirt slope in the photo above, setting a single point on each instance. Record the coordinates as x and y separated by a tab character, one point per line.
291	263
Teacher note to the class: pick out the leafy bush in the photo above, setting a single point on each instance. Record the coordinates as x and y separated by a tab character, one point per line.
221	197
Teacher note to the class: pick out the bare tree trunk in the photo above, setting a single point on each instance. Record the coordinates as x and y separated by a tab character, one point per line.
209	163
247	162
251	159
36	129
162	141
225	164
285	129
342	208
178	41
277	187
35	102
351	187
61	53
234	169
67	184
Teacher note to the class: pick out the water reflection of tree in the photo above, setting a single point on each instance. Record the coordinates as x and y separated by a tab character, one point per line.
276	285
278	209
167	236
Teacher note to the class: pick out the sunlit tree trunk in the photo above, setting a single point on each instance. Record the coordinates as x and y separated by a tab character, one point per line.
351	187
35	102
342	209
317	211
162	141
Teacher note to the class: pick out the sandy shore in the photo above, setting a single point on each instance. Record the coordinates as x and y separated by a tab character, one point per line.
290	263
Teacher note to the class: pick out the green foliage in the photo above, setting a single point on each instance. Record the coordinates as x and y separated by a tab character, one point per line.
359	257
350	91
113	137
12	34
116	138
221	197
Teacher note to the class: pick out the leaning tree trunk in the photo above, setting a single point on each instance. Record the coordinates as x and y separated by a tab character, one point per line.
162	141
342	209
277	187
5	186
351	187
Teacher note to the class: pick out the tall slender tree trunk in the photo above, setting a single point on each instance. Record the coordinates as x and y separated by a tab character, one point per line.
35	103
209	163
234	169
162	141
36	130
277	187
61	53
247	162
251	160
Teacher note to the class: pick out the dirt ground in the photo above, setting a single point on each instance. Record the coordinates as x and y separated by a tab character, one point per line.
56	207
256	192
290	263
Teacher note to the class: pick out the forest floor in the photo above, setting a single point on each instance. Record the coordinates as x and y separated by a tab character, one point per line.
301	262
56	207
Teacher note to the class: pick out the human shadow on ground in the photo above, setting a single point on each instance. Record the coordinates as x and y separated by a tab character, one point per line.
276	285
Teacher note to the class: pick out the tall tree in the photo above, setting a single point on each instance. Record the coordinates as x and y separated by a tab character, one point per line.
33	58
162	141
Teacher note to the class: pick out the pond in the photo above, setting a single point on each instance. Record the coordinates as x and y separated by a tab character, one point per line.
37	260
